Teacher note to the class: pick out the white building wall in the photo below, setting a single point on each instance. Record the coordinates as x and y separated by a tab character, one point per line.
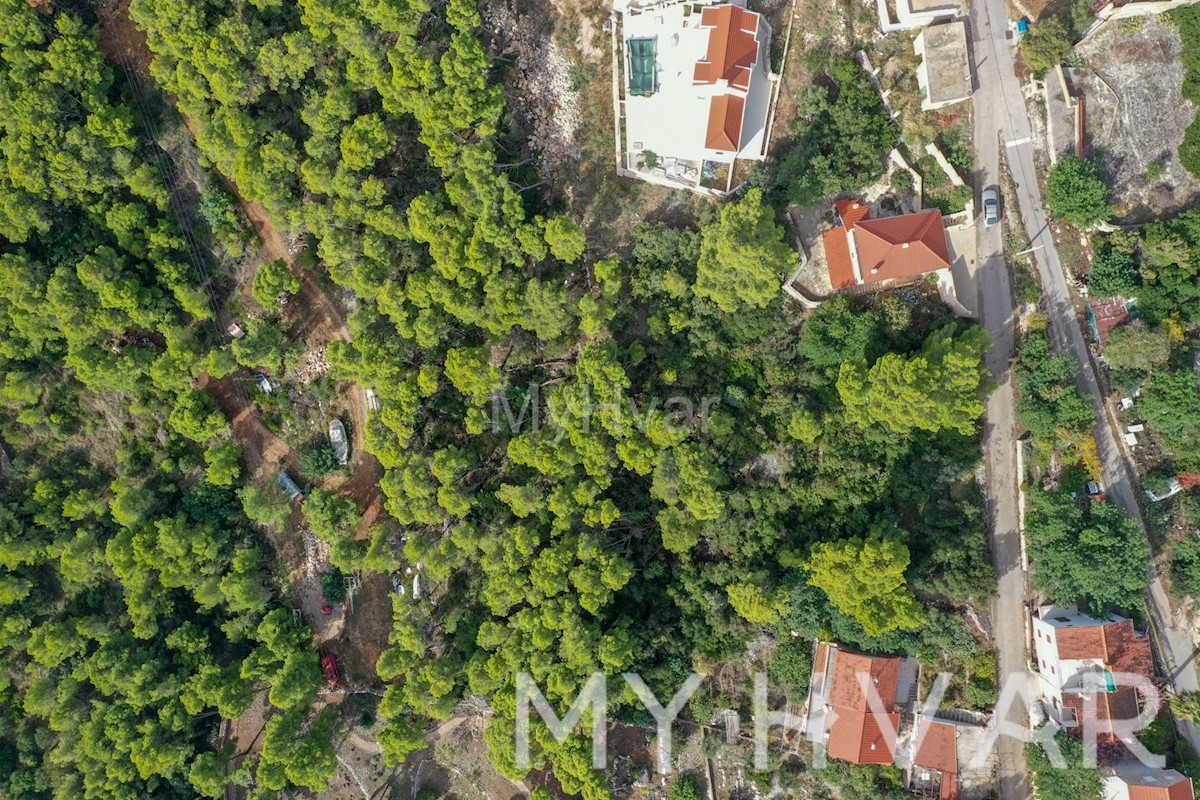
1115	788
1049	685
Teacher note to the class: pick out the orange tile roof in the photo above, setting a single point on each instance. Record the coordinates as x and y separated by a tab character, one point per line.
1126	650
725	114
1121	704
949	786
1080	643
1180	789
938	748
856	734
856	737
890	247
732	46
837	257
897	247
845	692
852	212
1115	644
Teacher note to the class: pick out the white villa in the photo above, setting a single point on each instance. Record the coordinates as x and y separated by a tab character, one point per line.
695	89
1077	657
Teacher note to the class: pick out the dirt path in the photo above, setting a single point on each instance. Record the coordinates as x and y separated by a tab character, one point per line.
120	39
260	445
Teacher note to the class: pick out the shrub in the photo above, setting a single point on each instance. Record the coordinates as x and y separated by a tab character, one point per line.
1075	193
791	667
333	585
1188	21
1113	273
318	462
1046	45
685	788
902	179
1185	565
949	201
839	140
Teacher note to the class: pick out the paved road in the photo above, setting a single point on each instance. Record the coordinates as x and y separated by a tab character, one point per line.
993	124
1001	122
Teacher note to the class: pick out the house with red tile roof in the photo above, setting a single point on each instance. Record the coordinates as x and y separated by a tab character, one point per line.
697	87
856	702
863	250
1079	660
1129	782
942	753
935	763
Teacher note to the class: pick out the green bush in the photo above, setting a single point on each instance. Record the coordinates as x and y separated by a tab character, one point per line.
1187	19
1185	565
686	788
791	667
1113	273
902	179
949	201
1046	45
838	141
1075	193
333	586
318	462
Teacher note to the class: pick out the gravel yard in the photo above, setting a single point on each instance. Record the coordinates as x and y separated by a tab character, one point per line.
1136	115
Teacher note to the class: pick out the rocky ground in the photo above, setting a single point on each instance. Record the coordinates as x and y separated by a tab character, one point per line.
1136	115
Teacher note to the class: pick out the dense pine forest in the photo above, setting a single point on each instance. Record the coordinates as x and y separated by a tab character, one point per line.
707	466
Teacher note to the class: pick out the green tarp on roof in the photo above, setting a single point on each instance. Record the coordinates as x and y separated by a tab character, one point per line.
643	69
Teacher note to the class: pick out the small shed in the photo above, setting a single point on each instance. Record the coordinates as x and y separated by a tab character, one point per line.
1105	314
235	331
339	442
372	400
288	486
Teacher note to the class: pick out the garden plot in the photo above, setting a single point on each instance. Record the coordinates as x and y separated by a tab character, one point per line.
1136	116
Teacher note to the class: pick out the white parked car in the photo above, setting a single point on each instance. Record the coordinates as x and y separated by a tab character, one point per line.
991	206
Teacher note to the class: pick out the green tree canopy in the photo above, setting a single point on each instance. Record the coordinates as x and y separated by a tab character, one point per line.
1171	404
1046	45
865	578
1075	193
274	278
942	386
743	257
839	139
1097	557
1137	348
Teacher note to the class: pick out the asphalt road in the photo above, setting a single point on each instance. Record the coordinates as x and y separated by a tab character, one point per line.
1002	123
998	109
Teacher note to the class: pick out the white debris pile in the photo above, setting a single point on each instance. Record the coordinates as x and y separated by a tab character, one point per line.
541	85
311	366
316	555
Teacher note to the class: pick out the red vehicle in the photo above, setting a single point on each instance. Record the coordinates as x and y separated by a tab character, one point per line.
329	667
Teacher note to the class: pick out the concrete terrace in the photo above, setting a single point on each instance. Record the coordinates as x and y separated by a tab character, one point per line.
945	72
669	135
